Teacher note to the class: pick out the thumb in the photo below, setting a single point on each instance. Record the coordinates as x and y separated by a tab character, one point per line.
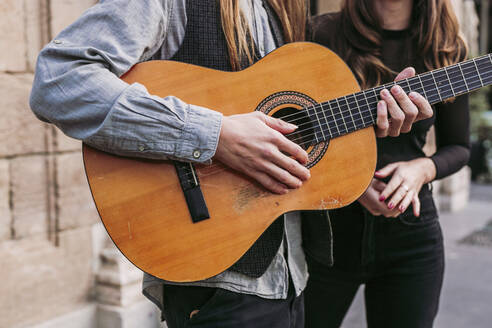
386	171
280	125
405	74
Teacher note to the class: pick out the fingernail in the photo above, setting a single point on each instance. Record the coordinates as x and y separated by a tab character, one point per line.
390	205
402	209
382	198
292	126
377	173
412	95
385	92
396	90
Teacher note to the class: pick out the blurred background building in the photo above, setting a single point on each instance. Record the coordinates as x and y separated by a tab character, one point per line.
58	268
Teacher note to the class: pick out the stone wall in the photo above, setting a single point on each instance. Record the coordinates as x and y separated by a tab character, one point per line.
50	234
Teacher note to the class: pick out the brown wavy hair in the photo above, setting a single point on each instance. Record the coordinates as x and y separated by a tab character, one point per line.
434	34
291	13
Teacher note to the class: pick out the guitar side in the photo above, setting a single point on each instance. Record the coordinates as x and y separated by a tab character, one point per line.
141	202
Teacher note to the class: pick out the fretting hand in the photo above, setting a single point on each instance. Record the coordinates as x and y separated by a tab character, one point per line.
255	145
403	109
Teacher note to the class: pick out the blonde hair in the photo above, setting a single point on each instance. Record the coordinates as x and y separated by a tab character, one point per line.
291	13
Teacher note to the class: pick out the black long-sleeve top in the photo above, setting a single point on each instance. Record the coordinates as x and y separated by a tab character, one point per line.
451	119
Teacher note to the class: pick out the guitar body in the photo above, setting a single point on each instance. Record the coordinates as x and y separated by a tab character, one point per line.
141	202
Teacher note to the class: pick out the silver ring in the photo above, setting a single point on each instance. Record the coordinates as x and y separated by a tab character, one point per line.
405	187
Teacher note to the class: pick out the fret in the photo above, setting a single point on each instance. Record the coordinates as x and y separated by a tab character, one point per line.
328	127
478	72
449	80
341	114
312	110
408	85
430	88
437	86
360	108
332	123
485	68
472	77
423	89
464	78
349	109
459	85
443	84
371	112
335	118
319	123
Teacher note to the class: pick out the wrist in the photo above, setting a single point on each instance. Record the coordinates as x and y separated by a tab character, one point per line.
428	168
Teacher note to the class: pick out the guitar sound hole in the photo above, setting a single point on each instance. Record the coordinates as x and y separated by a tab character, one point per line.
304	135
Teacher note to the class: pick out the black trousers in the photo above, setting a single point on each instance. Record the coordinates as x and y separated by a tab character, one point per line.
401	264
221	308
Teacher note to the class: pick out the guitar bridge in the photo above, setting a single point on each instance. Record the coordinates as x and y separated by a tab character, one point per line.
192	191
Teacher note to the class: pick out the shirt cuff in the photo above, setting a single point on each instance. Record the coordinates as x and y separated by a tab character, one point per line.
200	135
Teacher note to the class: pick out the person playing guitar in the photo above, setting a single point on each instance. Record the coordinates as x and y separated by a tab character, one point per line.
77	88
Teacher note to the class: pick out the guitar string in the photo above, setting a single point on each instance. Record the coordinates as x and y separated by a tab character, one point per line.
356	127
362	117
417	78
417	88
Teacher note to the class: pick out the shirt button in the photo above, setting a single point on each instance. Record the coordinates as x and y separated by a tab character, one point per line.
197	154
141	148
57	42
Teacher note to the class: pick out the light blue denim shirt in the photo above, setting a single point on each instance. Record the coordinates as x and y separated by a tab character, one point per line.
77	88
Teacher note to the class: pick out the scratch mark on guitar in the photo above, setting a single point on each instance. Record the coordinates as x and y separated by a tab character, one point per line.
246	194
129	231
326	204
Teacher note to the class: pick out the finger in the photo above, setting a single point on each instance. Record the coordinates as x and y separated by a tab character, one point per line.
382	123
416	205
423	106
268	183
395	112
391	187
280	175
292	166
387	170
397	197
405	74
378	185
407	106
291	148
406	201
278	124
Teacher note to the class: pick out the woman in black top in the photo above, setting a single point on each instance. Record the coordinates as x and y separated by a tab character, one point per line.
390	239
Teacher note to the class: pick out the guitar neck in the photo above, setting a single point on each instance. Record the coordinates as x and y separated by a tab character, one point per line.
359	110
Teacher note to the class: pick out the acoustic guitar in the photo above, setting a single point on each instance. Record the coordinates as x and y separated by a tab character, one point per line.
187	222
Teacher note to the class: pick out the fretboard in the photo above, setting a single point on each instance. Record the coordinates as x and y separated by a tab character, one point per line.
359	110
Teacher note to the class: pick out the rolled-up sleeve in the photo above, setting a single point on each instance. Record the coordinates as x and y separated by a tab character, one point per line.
77	86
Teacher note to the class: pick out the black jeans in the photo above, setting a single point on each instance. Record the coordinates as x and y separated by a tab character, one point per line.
221	308
400	262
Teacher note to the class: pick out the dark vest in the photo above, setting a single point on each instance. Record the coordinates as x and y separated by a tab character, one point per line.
205	45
